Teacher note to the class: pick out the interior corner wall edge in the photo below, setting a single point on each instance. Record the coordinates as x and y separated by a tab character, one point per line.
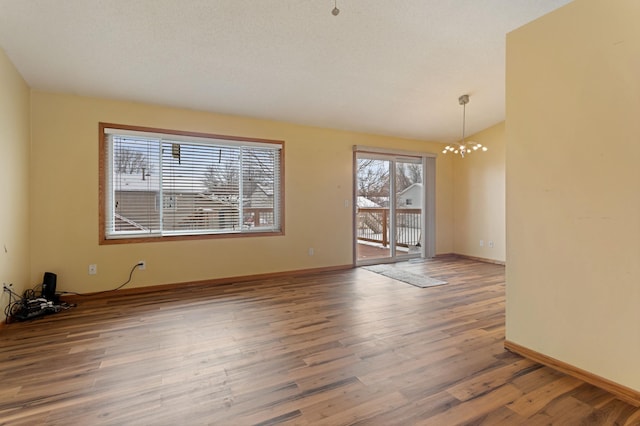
479	198
14	175
573	210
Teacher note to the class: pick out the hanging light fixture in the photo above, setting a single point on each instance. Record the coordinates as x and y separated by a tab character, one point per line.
335	10
463	147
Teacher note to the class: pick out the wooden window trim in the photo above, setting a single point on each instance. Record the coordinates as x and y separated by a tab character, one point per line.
102	187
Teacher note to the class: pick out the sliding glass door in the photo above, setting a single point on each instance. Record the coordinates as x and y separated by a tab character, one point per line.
390	199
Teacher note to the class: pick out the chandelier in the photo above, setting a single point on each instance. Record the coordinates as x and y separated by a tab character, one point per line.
463	147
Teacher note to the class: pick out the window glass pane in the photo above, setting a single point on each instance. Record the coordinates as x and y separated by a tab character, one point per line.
135	187
195	186
202	183
260	188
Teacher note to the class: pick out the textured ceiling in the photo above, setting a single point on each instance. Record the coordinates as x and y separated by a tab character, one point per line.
386	67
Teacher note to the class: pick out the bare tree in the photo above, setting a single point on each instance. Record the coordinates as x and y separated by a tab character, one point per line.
407	174
373	180
223	178
128	161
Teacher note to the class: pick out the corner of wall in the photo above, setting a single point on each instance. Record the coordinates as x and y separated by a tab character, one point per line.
15	140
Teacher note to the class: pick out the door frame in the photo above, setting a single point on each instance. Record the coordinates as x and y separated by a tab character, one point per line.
428	239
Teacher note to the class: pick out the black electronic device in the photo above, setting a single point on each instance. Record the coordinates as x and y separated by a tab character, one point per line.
49	286
33	308
30	306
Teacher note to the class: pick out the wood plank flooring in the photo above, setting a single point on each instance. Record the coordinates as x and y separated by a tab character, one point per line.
336	348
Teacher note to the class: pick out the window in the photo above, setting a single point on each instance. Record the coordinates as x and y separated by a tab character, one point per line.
160	184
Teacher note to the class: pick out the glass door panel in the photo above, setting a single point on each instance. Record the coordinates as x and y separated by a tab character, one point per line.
409	193
372	206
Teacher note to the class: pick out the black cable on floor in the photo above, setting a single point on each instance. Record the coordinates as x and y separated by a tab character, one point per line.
105	291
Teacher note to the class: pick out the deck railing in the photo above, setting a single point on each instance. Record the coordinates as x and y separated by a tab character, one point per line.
373	225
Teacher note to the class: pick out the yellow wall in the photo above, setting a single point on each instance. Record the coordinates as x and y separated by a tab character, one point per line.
14	175
479	198
573	187
318	178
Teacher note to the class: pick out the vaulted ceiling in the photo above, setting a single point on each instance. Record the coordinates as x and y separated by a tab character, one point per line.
385	67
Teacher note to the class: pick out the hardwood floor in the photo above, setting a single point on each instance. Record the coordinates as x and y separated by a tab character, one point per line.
347	347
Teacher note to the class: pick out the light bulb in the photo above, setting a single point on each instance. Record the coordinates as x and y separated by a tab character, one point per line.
475	148
484	148
455	152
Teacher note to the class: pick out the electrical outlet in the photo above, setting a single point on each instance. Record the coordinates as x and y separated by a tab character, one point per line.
491	244
311	251
93	269
142	265
481	243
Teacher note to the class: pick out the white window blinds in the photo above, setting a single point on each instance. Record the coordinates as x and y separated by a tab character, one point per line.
168	185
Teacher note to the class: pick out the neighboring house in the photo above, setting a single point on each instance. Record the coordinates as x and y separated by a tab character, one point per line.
410	207
196	210
262	197
258	207
136	201
373	201
137	206
411	197
364	202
